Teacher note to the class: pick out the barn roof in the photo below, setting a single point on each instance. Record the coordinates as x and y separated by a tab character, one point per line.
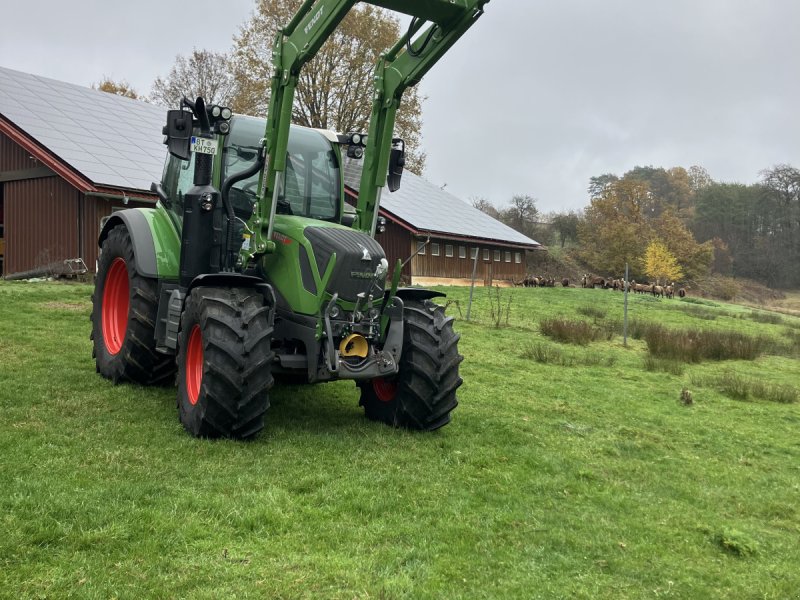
428	208
117	142
110	140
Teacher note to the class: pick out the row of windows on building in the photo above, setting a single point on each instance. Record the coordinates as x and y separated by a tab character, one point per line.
449	252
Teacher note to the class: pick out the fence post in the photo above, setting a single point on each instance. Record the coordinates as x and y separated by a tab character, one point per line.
625	311
472	287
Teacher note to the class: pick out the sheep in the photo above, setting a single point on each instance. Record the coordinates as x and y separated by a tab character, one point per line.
658	291
682	292
565	282
669	291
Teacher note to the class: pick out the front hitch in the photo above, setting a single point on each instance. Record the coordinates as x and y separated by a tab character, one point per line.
377	362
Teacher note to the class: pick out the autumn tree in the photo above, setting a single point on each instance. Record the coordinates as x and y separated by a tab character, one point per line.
693	258
614	230
600	184
699	178
660	264
203	73
334	90
118	88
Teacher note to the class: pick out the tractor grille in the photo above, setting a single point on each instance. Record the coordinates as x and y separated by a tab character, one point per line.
357	257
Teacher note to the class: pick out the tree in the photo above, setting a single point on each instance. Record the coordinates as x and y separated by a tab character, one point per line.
598	185
521	215
614	230
693	258
565	226
759	224
660	264
483	205
118	88
334	90
699	178
203	73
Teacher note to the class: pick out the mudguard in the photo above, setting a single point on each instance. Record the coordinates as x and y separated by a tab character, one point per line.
156	244
418	294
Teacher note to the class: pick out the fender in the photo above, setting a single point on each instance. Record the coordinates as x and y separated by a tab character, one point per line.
156	244
231	279
418	294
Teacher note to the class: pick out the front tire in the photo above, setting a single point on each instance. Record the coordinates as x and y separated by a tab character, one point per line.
124	312
224	362
423	393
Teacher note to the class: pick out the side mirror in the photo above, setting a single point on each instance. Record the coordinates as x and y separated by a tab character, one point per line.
179	132
397	159
160	191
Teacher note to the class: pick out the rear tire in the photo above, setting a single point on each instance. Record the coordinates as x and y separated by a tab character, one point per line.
423	393
124	311
224	362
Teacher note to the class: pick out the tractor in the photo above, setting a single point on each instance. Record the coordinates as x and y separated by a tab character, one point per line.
252	268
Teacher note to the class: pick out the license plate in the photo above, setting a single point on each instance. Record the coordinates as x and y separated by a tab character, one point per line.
203	145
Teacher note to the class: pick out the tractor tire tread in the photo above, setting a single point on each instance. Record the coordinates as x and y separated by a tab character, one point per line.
428	377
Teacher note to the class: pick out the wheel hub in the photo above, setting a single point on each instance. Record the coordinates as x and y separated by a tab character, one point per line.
194	364
116	300
384	389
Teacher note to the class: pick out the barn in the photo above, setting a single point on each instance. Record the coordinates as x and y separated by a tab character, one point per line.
442	235
70	156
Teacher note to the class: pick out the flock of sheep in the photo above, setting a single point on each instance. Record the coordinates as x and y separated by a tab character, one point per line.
593	281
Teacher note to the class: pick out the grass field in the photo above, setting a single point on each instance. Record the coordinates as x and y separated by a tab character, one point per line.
569	471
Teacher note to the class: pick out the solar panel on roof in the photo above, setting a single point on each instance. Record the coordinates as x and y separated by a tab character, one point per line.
88	129
428	208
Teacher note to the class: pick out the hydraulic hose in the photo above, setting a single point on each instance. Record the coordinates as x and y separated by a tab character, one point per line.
226	188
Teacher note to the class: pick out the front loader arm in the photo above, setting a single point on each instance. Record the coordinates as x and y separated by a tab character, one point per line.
401	67
398	69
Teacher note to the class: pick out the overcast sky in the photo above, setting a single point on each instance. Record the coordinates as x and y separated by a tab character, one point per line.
535	99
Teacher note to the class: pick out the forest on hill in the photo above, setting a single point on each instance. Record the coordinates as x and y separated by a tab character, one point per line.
677	224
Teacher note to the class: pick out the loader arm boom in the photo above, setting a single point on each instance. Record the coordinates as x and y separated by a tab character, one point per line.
399	68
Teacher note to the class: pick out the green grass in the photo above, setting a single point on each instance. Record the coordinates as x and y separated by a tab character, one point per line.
592	481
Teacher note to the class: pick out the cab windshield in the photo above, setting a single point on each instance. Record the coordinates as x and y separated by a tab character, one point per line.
311	180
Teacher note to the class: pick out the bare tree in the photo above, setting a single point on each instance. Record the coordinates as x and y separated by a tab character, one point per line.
483	205
335	89
203	73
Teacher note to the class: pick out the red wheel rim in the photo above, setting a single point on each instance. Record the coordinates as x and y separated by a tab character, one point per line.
384	389
116	300
194	364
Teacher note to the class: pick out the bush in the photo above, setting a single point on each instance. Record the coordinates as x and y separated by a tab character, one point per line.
546	354
569	331
723	288
739	387
638	329
673	367
694	346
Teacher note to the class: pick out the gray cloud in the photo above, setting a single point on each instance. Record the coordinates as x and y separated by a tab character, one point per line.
535	99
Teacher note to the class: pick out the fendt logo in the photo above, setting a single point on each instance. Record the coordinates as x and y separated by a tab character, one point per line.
313	21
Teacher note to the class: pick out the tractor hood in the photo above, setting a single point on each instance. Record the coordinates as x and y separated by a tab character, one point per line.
357	258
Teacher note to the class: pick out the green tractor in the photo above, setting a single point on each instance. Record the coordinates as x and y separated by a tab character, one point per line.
252	267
